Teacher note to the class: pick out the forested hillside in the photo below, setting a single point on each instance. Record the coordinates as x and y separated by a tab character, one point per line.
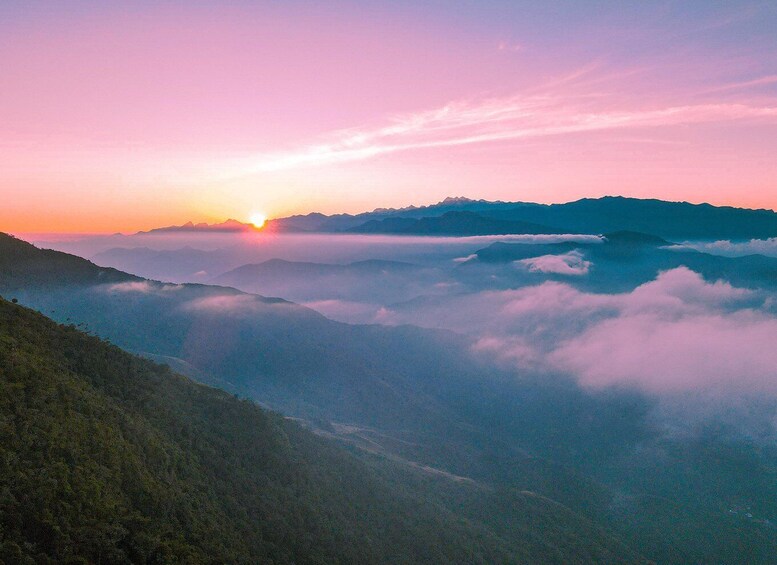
420	399
108	458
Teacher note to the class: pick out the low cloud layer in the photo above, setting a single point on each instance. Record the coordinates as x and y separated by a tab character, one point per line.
571	263
199	258
728	248
658	353
143	287
678	333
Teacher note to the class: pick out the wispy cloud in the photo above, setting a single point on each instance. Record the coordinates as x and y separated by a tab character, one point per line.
761	81
490	120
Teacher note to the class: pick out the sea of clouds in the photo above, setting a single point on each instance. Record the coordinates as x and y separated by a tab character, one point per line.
677	336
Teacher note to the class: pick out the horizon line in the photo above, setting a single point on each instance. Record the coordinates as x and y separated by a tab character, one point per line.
144	231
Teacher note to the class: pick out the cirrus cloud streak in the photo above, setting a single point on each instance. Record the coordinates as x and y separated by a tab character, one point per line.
490	120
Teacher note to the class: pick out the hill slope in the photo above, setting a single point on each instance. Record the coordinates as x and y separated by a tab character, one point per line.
105	457
23	265
416	396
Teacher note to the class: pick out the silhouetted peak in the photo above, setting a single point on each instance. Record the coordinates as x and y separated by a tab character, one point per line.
449	200
230	225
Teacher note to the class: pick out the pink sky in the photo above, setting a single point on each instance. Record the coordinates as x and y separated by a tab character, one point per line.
119	119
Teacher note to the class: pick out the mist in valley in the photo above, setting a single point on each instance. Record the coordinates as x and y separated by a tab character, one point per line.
623	366
388	282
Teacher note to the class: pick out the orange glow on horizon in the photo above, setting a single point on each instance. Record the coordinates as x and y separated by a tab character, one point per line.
213	109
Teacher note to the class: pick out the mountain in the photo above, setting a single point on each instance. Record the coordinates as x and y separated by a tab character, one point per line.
105	457
670	220
286	355
451	223
421	399
317	222
448	204
314	222
503	252
368	281
173	265
463	216
23	265
619	242
281	268
229	226
620	262
633	238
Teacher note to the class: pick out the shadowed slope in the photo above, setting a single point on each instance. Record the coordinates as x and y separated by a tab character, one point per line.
108	457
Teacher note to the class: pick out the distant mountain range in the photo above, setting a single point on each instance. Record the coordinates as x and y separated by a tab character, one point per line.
462	216
466	217
280	269
624	260
402	394
305	281
229	226
147	262
452	223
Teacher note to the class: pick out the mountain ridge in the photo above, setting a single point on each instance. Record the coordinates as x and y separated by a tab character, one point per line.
420	395
134	464
667	219
227	226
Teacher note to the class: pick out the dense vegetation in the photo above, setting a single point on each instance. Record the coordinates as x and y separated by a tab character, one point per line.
417	398
108	458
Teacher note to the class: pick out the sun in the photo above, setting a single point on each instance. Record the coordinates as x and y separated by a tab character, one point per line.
258	219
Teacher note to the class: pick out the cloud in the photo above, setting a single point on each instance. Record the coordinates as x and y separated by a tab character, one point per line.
571	263
234	304
227	303
144	287
519	237
683	291
760	81
724	353
487	120
675	334
513	349
728	248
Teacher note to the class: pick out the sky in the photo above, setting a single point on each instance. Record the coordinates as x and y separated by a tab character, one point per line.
127	116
